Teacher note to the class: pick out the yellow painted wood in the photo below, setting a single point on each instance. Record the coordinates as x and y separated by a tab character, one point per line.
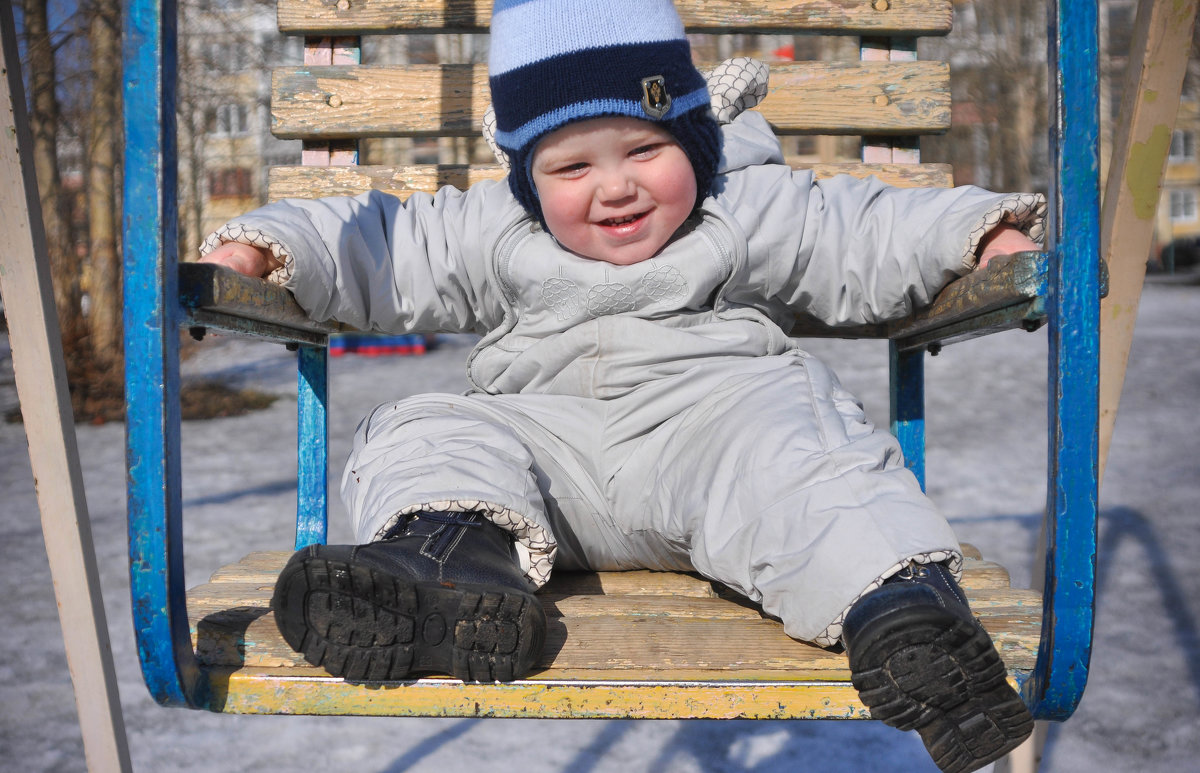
312	182
268	692
327	102
619	644
873	17
1157	63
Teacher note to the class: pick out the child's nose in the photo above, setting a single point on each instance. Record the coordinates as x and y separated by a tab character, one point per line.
617	185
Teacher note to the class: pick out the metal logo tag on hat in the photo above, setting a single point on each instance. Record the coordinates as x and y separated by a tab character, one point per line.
655	99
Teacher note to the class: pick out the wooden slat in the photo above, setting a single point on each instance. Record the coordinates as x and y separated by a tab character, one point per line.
619	644
402	181
657	636
314	182
262	567
439	100
692	696
848	17
998	600
900	175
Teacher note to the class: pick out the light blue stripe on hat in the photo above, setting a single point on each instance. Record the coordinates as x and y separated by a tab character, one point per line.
526	31
504	5
522	135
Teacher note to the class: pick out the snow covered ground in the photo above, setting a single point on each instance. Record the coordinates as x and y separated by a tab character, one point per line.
986	461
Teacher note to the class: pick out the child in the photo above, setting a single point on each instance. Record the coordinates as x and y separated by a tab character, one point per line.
636	401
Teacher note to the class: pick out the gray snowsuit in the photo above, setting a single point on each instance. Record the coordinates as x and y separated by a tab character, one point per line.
655	415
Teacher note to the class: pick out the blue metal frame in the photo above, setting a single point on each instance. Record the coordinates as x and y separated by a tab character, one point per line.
152	355
907	388
312	445
153	315
152	318
1061	673
1073	310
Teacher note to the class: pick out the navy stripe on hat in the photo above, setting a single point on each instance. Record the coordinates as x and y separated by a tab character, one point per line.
554	62
591	83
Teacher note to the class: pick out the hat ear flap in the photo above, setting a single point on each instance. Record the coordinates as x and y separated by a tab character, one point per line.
489	134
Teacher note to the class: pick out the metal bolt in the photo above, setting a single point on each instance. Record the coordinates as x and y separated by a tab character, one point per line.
343	5
1031	325
292	346
197	332
334	101
934	349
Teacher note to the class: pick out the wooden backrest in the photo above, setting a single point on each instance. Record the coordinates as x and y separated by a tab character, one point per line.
335	99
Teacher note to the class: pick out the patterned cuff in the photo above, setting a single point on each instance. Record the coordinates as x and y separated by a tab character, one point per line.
953	560
236	232
736	85
1026	211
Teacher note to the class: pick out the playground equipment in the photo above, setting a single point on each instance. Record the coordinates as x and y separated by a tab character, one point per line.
622	644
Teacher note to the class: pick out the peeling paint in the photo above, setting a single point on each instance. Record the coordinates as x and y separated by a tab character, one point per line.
1144	171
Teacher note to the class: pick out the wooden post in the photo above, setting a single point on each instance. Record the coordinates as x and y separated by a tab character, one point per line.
1158	59
46	409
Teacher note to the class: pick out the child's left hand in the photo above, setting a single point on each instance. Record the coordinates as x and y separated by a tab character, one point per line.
243	258
1004	239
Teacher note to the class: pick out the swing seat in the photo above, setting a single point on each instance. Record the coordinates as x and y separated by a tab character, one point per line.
619	645
624	644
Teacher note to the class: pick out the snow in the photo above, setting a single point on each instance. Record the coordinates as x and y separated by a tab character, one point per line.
987	454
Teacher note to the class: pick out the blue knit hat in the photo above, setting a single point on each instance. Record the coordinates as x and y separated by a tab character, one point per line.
553	62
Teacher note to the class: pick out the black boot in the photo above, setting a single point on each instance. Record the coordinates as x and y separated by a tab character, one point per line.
921	661
442	594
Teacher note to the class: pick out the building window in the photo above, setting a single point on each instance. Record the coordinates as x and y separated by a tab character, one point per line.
1183	206
1183	146
215	58
1120	30
228	121
229	182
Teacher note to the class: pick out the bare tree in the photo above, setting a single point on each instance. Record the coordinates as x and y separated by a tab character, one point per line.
44	118
104	319
74	82
998	79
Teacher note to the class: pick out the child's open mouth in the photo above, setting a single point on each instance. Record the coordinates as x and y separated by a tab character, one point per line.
614	222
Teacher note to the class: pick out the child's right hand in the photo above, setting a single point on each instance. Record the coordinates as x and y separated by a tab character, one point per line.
244	259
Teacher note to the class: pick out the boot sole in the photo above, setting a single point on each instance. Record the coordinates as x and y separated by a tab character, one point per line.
362	624
930	671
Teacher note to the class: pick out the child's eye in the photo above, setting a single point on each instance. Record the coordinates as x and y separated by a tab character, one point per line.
641	151
571	170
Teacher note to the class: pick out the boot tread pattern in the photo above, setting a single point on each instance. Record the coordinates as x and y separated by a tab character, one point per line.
364	625
949	684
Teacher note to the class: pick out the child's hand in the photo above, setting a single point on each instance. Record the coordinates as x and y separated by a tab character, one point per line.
243	258
1003	240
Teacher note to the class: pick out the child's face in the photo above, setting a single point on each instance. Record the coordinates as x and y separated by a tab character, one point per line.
613	189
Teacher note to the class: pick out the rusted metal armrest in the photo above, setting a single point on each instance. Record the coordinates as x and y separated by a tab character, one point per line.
216	297
1009	293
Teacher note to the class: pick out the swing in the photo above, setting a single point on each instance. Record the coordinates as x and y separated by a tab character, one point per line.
628	644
